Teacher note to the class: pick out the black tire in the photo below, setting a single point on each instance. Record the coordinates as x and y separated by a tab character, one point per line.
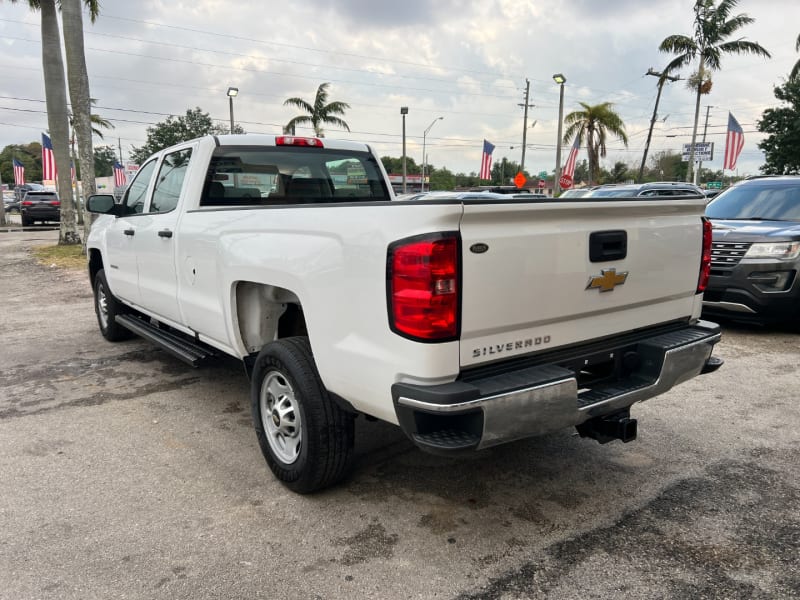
26	222
309	444
107	307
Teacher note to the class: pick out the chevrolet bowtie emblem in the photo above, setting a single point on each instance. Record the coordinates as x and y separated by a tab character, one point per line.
607	280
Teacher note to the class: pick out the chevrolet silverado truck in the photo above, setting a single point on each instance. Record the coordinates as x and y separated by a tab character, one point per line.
467	322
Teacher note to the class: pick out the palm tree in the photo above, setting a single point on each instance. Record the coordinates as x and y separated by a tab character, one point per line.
320	113
82	119
713	28
796	69
594	124
55	92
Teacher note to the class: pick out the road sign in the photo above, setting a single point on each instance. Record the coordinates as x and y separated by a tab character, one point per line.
520	180
541	183
542	174
714	185
565	181
703	151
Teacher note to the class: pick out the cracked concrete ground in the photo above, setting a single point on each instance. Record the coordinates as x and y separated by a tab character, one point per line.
124	473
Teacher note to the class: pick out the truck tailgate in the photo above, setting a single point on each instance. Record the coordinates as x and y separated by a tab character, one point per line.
529	283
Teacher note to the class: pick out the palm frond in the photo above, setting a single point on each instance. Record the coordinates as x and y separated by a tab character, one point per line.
299	103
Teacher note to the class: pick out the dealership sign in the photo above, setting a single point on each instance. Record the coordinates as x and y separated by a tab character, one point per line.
703	152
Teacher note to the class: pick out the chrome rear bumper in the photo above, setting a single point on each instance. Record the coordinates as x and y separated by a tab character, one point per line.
530	401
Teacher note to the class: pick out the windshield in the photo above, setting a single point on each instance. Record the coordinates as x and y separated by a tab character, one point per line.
766	201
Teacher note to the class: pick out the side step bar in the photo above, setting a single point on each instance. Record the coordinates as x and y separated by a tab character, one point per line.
180	346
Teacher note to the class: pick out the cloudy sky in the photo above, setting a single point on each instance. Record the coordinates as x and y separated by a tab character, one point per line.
464	61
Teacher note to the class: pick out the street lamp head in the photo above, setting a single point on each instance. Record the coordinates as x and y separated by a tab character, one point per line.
233	92
403	110
559	78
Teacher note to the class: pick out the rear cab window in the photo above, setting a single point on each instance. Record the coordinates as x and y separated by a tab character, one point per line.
285	175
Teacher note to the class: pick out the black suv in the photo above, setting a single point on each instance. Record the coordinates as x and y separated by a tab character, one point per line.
645	190
755	253
40	206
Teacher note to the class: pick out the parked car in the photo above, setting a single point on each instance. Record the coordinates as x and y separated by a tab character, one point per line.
11	204
639	190
40	206
755	256
21	190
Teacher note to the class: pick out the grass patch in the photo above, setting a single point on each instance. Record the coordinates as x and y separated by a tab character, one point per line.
64	257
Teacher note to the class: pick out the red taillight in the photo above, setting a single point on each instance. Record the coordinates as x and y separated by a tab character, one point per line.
55	203
290	140
705	263
27	203
424	288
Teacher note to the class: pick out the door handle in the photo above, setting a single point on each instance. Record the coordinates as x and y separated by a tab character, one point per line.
166	233
129	231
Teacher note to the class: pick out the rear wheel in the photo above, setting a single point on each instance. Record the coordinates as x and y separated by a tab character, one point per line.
107	307
306	438
26	221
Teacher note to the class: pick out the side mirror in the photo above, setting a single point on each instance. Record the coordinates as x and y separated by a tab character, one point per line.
101	203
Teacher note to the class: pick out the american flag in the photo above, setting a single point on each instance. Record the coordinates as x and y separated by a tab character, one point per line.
119	175
19	173
486	161
48	159
734	142
569	166
72	170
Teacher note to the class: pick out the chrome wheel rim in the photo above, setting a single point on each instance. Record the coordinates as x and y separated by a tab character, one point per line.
280	417
102	306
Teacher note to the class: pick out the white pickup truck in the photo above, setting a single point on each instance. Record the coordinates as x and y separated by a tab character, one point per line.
467	322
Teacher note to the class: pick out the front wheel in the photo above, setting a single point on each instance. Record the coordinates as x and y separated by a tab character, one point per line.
107	307
306	438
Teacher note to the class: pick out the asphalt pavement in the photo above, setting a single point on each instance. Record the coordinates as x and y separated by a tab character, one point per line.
126	474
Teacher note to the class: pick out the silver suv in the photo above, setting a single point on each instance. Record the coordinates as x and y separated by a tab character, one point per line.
641	190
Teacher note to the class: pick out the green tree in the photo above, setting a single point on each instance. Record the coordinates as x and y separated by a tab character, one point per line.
30	155
593	125
781	146
503	171
713	29
620	173
395	165
440	179
320	113
581	174
175	130
667	166
104	157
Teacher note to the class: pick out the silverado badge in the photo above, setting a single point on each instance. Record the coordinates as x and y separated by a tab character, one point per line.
607	280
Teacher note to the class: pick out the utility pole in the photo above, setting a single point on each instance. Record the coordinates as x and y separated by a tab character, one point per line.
705	129
119	143
525	123
662	79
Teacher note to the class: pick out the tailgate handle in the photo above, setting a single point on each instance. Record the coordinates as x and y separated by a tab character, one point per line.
129	231
608	245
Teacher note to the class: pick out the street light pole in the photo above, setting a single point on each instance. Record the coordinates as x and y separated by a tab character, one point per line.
424	136
560	80
232	92
404	112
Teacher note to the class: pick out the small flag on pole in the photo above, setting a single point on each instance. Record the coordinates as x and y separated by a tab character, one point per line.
486	161
72	170
569	166
119	175
48	159
734	142
19	173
